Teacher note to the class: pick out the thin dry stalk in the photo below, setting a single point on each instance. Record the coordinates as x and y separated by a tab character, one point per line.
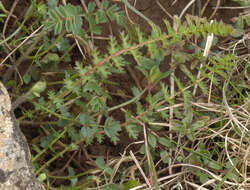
91	42
216	177
83	42
170	181
169	107
198	187
172	92
23	42
210	89
151	175
245	163
215	10
129	19
228	156
228	109
79	47
175	176
242	7
164	10
118	163
186	8
140	169
205	54
7	20
64	2
204	7
174	2
209	107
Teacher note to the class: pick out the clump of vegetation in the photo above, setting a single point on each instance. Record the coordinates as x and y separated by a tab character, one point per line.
187	123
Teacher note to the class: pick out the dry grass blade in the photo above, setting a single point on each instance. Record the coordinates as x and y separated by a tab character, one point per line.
186	8
7	20
198	187
167	178
165	11
23	42
215	10
236	121
151	175
216	177
205	54
140	169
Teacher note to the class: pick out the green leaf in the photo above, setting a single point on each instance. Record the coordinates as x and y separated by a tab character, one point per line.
93	86
100	17
88	133
42	177
120	19
240	23
215	165
99	138
91	7
238	33
130	184
63	44
54	16
142	149
165	157
112	128
152	140
26	78
105	4
36	148
111	12
133	130
74	134
52	4
155	75
39	87
68	25
61	11
111	187
247	20
51	57
97	104
197	125
64	111
58	27
233	176
92	24
101	164
189	118
46	140
72	180
204	177
135	91
77	25
86	119
72	10
165	142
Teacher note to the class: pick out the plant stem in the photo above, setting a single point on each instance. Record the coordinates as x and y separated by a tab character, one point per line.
128	102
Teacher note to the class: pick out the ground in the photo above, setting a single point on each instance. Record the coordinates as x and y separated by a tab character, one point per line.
83	159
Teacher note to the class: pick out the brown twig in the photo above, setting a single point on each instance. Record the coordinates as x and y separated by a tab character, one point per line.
215	10
204	7
164	10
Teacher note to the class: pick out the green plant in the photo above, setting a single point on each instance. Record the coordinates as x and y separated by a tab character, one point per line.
77	107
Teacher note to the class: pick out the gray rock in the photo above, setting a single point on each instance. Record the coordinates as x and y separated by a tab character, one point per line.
16	172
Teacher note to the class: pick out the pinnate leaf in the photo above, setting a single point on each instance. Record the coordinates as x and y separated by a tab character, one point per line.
112	128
